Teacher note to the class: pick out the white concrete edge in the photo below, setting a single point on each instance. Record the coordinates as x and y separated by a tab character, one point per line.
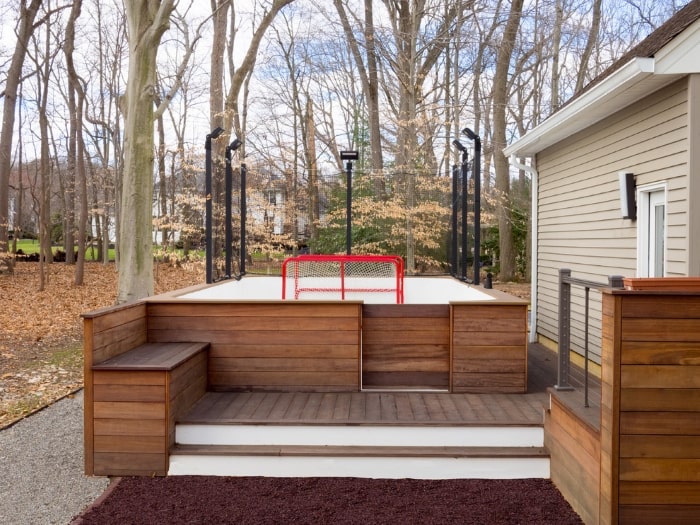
378	468
360	435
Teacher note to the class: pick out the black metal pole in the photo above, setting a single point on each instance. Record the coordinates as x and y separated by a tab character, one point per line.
229	225
348	225
208	212
244	213
465	191
455	213
477	209
215	134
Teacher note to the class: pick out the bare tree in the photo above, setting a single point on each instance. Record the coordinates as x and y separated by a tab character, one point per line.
147	20
25	28
500	101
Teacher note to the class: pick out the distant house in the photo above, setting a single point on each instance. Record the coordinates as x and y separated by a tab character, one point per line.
642	117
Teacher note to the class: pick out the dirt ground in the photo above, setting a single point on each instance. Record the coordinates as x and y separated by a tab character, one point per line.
41	332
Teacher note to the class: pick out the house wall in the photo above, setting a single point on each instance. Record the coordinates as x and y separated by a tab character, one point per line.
579	218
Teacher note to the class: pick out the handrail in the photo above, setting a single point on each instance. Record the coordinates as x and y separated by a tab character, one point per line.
564	345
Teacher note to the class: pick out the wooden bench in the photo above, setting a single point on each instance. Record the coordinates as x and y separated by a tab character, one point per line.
137	397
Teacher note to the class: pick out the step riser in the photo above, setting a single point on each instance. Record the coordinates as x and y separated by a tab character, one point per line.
402	436
358	467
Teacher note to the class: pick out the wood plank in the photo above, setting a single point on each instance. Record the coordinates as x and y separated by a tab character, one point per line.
131	444
252	309
659	514
131	462
410	324
111	337
660	399
411	379
330	351
660	376
381	352
486	313
582	492
289	365
487	366
656	353
659	469
143	393
233	337
659	446
681	423
129	410
497	324
130	427
118	344
403	311
683	330
463	340
659	493
153	356
114	377
662	306
403	365
254	324
109	317
281	379
484	380
516	352
417	337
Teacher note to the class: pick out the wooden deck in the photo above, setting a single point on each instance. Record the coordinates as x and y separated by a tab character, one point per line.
372	407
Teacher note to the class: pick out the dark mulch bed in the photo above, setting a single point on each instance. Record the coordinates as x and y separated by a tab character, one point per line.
337	501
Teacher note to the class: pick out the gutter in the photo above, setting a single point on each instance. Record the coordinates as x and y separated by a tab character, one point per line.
514	162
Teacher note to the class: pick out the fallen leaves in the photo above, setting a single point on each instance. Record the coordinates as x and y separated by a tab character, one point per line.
41	332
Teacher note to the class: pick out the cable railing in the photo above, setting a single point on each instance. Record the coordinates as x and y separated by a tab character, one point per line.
564	347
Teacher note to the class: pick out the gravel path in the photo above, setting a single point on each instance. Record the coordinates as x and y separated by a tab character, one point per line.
41	461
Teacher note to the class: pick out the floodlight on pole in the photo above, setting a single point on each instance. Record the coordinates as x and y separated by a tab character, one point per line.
349	156
477	201
215	134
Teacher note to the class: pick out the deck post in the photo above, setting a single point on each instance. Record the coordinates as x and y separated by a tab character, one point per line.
564	330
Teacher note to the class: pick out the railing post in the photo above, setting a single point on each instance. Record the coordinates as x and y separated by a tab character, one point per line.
564	330
616	281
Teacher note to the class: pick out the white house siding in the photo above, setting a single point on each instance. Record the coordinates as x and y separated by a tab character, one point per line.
580	223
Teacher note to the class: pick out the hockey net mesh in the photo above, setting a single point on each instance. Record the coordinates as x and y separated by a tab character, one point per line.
370	278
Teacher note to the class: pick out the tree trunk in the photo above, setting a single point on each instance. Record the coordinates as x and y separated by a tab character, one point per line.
147	21
500	100
12	82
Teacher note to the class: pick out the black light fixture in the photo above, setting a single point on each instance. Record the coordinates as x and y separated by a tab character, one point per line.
349	156
477	201
215	134
628	202
457	144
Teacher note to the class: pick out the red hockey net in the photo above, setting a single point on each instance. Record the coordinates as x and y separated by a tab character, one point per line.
379	277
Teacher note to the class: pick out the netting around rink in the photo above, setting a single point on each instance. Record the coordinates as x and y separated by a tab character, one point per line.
343	277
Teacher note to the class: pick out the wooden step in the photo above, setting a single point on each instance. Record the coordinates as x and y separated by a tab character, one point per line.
360	451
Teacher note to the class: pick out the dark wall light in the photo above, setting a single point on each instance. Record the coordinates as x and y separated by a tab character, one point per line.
628	201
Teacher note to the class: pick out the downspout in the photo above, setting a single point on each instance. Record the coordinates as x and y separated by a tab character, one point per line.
533	215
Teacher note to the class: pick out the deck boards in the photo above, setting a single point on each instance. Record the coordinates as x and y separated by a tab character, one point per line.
387	407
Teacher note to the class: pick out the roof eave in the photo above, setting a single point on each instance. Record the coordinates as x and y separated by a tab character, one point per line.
630	83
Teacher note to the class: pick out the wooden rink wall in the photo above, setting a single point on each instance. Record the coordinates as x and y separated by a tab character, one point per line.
642	464
130	411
